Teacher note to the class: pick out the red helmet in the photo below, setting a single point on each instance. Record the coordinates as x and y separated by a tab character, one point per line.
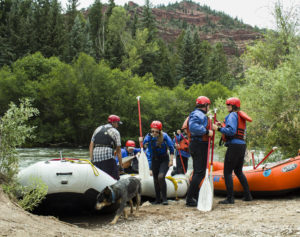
156	124
234	101
202	100
114	118
130	143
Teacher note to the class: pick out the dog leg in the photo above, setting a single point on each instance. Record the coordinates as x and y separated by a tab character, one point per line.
119	212
138	201
131	206
114	221
125	214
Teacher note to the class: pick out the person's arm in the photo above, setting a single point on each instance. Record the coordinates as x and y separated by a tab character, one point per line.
91	148
171	148
231	125
119	155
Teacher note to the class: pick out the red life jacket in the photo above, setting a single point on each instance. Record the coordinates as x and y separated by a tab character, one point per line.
241	128
184	144
204	137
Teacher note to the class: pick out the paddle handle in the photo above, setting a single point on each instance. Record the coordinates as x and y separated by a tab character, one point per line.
180	154
209	140
213	139
140	120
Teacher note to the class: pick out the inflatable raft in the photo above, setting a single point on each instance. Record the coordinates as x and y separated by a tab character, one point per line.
267	180
68	180
177	185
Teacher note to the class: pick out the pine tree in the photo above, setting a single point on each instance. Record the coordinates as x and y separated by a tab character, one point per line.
88	43
148	21
186	67
218	67
200	61
77	36
97	29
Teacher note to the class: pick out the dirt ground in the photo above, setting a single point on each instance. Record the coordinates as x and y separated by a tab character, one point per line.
261	217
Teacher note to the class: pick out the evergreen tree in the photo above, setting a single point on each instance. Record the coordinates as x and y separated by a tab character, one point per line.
77	36
200	61
186	66
71	14
97	29
148	21
88	43
218	68
134	24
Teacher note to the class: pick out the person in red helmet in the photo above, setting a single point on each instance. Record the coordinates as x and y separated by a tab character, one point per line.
158	143
130	167
199	133
106	140
233	133
182	149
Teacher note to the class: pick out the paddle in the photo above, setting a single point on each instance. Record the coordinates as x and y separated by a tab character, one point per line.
212	154
205	199
179	154
144	171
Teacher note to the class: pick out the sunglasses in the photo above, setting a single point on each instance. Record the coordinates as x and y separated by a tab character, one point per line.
153	131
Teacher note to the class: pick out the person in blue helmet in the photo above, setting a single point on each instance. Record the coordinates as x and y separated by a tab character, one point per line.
199	133
158	143
233	134
132	166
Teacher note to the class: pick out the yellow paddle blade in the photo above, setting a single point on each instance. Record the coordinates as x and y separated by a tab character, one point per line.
205	199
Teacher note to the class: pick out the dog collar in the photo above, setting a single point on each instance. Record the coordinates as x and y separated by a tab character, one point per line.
112	195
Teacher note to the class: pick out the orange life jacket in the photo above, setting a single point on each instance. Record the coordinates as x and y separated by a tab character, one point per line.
204	137
184	144
241	128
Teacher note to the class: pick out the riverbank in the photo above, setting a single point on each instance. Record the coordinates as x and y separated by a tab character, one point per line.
261	217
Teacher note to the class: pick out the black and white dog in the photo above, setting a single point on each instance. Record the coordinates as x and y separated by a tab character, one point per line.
121	192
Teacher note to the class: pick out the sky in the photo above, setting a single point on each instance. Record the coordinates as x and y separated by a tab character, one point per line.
252	12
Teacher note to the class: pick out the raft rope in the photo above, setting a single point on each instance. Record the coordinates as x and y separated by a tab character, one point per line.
175	182
84	161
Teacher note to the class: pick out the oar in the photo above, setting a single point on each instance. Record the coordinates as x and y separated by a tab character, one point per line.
144	171
127	158
205	199
179	154
212	154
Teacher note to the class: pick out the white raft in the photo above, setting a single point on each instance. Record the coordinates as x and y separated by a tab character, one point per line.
177	185
67	176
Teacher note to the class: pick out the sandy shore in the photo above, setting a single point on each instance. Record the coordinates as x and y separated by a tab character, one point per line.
261	217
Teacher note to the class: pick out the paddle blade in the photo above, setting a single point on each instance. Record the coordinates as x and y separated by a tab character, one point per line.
205	199
144	171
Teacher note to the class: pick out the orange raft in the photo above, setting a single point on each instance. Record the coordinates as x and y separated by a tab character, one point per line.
270	179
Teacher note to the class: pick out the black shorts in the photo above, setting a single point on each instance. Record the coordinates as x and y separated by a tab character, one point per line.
109	166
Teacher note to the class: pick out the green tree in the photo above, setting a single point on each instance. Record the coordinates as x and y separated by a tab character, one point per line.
97	28
14	130
148	21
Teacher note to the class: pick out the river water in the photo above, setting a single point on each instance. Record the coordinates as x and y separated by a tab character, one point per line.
30	156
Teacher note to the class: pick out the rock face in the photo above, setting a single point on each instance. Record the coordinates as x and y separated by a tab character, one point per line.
212	26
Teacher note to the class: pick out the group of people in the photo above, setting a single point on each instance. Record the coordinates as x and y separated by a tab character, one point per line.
192	140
